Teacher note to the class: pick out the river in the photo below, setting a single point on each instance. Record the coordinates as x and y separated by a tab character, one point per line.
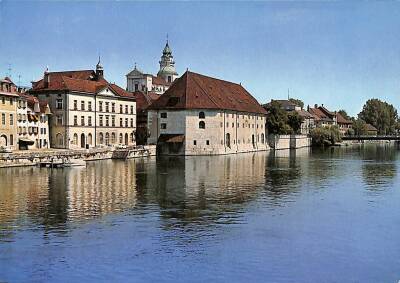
309	215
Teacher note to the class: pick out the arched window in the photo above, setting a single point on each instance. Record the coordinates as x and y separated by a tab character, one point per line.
228	140
89	139
202	125
3	140
132	137
202	115
101	138
262	138
120	138
113	138
59	139
126	139
75	140
107	138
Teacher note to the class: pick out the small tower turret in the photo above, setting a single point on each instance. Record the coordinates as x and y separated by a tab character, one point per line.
167	65
99	70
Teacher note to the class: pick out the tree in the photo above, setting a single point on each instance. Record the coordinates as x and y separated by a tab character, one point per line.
325	136
359	127
298	102
294	121
344	114
276	119
381	115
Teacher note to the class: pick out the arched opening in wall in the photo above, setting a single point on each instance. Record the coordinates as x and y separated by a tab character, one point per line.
75	139
132	137
202	125
83	143
89	139
262	138
101	138
113	138
3	140
107	138
228	140
202	115
59	140
120	138
126	139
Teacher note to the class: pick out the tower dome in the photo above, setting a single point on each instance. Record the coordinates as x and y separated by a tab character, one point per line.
167	65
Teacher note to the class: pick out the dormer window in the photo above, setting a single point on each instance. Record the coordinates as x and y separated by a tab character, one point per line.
202	115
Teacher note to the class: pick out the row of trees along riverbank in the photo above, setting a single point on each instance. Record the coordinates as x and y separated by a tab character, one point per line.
380	114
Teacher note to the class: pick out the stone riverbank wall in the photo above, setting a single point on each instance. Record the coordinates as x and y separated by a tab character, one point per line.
32	158
278	142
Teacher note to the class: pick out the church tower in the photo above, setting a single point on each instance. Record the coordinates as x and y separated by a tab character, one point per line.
167	65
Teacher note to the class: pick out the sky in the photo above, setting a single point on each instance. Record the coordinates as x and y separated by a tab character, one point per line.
334	53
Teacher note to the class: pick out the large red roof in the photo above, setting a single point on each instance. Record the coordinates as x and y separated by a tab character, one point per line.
81	81
195	91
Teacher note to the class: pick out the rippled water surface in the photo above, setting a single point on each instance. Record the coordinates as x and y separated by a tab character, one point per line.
303	216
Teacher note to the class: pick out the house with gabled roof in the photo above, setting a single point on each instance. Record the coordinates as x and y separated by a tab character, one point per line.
201	115
87	110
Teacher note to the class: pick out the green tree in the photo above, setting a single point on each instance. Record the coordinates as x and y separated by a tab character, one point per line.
381	115
325	136
298	102
294	121
277	119
359	127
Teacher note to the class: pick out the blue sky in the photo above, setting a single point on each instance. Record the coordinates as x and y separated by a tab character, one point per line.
336	53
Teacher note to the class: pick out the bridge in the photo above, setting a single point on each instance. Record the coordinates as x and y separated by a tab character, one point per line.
371	138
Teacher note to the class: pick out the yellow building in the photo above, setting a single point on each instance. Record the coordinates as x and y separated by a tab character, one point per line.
8	114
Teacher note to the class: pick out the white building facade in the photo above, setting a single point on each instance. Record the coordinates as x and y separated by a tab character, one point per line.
200	115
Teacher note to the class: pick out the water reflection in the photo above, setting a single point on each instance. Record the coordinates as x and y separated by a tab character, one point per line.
185	192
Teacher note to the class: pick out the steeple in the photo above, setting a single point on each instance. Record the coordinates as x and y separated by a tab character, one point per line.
99	70
167	64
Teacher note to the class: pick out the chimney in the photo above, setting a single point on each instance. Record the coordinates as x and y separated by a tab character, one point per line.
315	105
46	78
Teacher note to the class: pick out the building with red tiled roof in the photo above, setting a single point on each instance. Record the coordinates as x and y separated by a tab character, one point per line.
88	111
343	123
199	115
322	116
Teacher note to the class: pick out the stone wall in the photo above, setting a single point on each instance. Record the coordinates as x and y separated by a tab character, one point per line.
278	142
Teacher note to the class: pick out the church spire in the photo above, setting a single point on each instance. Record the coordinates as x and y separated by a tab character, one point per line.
167	64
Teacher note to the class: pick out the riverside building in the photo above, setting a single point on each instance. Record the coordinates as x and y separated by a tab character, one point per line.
201	115
87	110
8	113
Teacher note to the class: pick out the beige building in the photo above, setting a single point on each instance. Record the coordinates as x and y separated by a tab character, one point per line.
200	115
87	111
8	114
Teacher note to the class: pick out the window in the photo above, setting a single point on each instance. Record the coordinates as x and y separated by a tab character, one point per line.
126	109
75	120
227	124
113	107
3	118
100	106
107	106
11	101
207	142
164	115
163	125
113	121
83	105
131	123
120	109
101	120
75	140
59	120
3	100
82	121
233	125
131	109
90	106
202	115
120	138
112	138
221	124
136	87
169	79
202	125
107	120
120	122
75	104
11	119
11	139
89	121
126	122
194	142
59	104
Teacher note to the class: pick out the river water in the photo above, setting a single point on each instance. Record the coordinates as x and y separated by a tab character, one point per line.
328	215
